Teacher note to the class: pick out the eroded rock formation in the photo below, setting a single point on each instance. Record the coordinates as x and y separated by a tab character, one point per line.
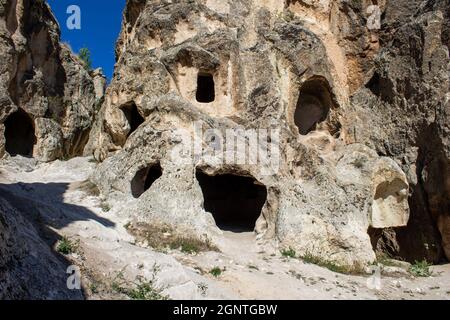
29	269
357	119
48	103
48	99
311	123
403	113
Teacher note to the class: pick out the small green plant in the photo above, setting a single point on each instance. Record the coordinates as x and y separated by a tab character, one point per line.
420	269
330	265
203	287
288	253
216	272
251	266
140	289
66	246
93	287
161	237
116	287
145	290
85	55
190	248
105	207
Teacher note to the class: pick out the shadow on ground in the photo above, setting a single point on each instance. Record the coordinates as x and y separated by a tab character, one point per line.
45	202
43	206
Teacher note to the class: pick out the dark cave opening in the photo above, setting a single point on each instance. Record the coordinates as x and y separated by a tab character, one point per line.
313	105
205	88
145	178
133	116
374	84
19	134
235	201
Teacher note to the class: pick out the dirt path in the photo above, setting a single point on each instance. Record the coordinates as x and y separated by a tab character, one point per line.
55	196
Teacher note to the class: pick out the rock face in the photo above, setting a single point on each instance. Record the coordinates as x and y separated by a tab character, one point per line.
47	107
320	125
323	126
48	99
403	112
29	269
338	119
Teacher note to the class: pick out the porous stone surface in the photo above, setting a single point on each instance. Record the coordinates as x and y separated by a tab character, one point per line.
48	97
356	169
337	110
403	113
43	78
30	270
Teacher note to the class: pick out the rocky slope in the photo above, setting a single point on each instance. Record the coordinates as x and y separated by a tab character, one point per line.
355	106
246	126
112	262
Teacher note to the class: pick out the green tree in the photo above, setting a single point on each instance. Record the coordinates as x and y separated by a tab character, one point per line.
85	55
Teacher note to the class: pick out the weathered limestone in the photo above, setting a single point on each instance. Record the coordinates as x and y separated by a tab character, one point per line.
403	113
47	107
290	68
30	270
44	79
333	131
390	206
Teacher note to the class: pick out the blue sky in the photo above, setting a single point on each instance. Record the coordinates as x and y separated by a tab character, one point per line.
100	26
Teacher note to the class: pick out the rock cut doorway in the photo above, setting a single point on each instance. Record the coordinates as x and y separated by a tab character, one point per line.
236	202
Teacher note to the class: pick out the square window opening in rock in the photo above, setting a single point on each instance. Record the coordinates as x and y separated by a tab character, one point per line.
205	88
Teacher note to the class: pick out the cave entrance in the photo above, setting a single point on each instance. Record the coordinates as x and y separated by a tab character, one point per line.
313	105
145	178
205	88
19	134
133	116
235	202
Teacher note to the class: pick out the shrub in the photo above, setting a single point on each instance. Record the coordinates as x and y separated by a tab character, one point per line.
140	289
420	269
66	246
216	272
288	253
85	55
145	290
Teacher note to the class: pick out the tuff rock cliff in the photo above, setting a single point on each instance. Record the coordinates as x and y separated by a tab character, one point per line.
48	102
359	163
48	98
350	158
